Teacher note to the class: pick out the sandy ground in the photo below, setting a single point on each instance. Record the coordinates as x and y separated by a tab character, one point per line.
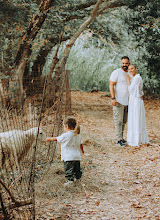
118	182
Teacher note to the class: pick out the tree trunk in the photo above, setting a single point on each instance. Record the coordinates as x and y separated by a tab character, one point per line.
50	95
61	65
16	82
95	12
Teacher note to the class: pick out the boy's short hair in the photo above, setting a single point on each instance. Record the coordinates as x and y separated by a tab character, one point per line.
71	122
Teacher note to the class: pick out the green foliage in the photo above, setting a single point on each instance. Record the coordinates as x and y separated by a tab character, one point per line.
92	60
132	30
88	67
144	23
14	18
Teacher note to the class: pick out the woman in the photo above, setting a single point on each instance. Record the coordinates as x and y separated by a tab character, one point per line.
136	132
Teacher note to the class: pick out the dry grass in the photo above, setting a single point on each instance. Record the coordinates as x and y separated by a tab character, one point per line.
118	182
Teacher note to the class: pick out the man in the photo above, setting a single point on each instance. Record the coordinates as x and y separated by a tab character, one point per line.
119	96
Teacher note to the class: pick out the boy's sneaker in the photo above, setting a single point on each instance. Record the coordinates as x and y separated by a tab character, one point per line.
69	183
121	143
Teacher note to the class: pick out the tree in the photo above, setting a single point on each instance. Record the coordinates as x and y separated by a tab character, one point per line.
24	51
28	46
143	20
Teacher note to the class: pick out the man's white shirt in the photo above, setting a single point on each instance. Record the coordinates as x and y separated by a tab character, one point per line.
121	88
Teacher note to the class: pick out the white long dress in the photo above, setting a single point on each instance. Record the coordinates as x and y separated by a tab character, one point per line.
136	132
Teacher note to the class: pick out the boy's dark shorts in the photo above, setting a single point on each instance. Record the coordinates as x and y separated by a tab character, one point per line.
72	170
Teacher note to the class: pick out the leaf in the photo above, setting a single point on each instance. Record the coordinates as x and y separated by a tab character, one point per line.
97	203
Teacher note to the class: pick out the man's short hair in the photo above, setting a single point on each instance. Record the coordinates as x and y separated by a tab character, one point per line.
125	57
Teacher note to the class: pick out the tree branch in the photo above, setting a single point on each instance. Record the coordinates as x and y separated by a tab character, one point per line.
17	203
80	6
110	5
55	60
62	62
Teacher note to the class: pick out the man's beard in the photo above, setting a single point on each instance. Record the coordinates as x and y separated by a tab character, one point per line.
125	68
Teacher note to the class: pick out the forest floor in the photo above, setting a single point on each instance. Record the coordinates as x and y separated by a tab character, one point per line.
117	182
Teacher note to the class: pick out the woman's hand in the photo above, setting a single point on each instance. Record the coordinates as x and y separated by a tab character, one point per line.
141	97
128	79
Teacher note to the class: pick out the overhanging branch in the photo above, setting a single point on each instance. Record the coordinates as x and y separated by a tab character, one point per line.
110	5
80	6
16	203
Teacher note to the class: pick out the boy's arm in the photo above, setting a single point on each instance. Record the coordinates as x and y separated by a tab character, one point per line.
81	147
51	139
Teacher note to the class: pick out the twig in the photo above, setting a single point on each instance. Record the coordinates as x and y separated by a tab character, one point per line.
17	203
50	107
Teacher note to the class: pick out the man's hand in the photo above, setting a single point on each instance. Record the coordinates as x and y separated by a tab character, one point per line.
114	102
111	88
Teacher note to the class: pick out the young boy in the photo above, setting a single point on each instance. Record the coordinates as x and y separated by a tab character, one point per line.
71	148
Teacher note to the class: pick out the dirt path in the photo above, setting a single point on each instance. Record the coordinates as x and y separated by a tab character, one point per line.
118	182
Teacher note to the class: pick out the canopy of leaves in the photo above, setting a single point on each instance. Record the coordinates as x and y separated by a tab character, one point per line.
144	22
131	30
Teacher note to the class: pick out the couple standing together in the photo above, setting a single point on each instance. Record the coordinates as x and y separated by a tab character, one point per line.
126	90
